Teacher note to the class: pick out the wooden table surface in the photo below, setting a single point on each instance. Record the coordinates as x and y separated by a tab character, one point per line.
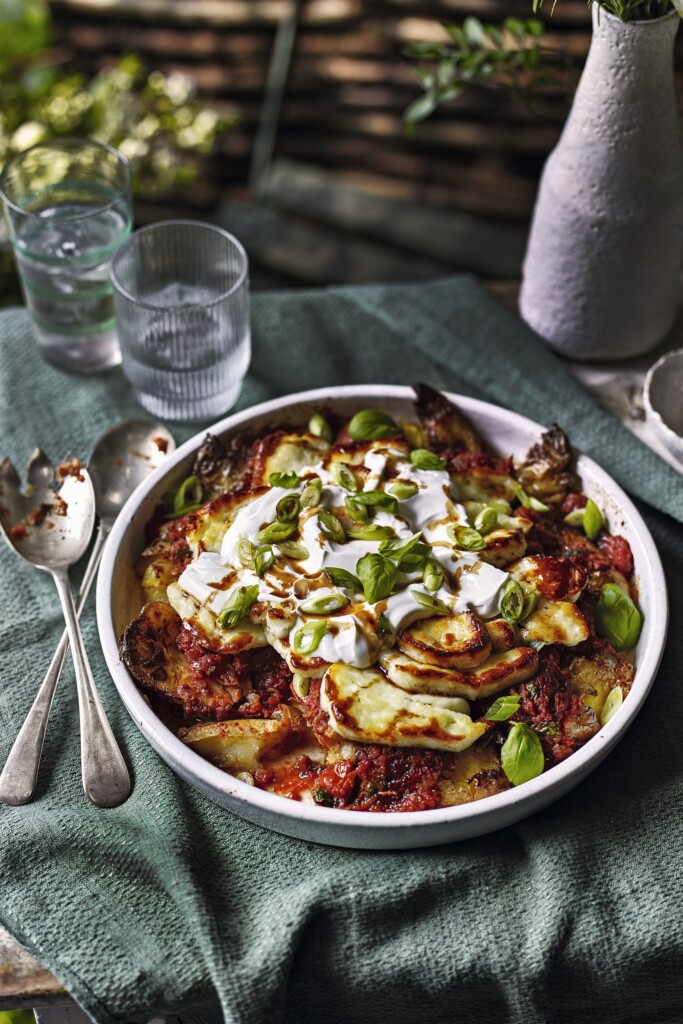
616	386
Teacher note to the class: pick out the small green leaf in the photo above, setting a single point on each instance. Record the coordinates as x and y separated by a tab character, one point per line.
371	424
409	555
503	708
422	458
342	578
617	618
375	500
238	605
384	627
287	480
378	576
521	755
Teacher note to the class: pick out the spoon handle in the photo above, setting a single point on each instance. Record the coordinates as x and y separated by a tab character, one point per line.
20	775
105	777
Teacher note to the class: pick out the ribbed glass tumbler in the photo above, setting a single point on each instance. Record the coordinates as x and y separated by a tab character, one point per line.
181	291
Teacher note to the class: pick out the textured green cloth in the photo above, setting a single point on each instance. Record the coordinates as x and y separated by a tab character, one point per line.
170	904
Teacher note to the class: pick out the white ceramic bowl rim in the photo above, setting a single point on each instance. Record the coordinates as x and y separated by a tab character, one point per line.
649	652
651	409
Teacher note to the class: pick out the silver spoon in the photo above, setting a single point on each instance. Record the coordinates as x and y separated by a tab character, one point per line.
121	460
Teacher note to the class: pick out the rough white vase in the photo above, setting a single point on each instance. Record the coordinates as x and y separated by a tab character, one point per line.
602	268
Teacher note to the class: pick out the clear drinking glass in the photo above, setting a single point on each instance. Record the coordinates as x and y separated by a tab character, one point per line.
68	207
181	291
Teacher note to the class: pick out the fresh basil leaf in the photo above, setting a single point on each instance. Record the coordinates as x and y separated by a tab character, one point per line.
384	627
422	458
503	708
521	756
342	578
378	576
617	618
376	500
287	480
409	555
371	424
238	605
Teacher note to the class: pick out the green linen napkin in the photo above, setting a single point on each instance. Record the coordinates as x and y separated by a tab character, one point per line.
169	904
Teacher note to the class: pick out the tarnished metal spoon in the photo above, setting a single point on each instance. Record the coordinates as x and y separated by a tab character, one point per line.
121	460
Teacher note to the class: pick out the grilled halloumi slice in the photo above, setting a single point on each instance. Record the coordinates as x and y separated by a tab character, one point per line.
363	705
556	622
242	637
556	579
285	453
503	636
452	641
503	546
497	673
240	744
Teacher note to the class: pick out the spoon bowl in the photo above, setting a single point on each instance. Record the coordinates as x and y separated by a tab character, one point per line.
122	459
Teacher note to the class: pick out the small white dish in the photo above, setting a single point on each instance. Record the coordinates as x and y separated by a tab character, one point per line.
663	401
119	599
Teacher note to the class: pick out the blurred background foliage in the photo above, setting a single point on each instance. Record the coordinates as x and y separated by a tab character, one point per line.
156	120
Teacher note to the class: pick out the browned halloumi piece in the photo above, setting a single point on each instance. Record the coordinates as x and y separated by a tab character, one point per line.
452	641
497	673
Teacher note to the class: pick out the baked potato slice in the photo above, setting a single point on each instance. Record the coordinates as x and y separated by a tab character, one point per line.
240	744
285	453
363	705
149	652
475	774
547	471
451	641
443	424
593	678
556	622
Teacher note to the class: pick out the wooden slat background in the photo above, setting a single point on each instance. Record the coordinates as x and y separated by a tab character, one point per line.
348	87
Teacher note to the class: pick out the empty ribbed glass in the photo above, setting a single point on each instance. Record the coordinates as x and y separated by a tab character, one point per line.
181	292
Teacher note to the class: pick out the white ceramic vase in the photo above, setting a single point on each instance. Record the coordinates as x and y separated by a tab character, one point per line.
602	268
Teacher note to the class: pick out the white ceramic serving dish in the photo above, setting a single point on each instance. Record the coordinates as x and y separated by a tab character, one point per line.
663	401
119	600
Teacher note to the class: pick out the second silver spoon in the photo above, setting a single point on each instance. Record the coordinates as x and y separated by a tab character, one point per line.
121	460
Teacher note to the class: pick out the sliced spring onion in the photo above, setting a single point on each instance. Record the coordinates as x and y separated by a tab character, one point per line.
466	538
319	426
575	517
291	549
378	576
263	559
615	698
300	685
593	521
433	575
403	489
358	512
371	532
312	493
307	638
503	707
246	552
422	458
433	603
342	578
512	601
287	480
487	520
238	605
288	508
527	500
343	475
330	526
371	424
326	604
189	493
275	532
